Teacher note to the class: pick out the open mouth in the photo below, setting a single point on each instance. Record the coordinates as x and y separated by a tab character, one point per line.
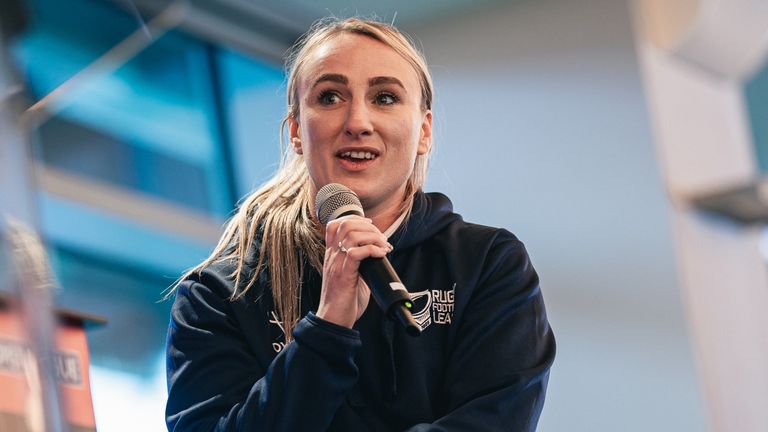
357	156
357	159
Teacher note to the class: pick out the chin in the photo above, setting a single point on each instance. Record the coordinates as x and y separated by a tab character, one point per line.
362	191
374	198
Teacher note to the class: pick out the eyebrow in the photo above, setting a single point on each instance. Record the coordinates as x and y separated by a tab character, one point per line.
385	80
341	79
337	78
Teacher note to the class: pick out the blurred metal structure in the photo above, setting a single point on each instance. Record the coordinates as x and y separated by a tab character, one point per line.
32	278
118	55
166	16
727	38
697	57
258	29
722	44
22	250
15	178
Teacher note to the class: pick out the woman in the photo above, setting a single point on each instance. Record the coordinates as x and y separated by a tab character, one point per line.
275	331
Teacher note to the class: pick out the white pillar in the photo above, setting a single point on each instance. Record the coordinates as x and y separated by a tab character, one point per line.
695	57
15	176
21	248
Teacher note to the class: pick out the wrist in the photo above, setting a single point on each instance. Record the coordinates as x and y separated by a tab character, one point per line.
342	319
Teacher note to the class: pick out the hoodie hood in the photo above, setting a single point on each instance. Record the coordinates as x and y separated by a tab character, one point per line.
431	213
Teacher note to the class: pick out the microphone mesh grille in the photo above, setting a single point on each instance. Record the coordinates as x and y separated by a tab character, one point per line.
333	197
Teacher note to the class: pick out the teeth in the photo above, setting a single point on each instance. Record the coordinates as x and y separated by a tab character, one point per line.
358	155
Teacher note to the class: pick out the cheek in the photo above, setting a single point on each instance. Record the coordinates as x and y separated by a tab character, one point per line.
407	139
408	135
318	128
315	138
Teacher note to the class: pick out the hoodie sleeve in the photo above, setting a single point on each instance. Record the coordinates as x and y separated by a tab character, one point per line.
216	383
499	364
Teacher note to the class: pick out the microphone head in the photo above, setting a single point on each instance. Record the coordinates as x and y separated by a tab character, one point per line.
334	200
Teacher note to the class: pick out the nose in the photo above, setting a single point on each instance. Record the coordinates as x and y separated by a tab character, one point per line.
358	122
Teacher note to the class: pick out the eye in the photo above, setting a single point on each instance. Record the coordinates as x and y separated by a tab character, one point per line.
386	98
328	97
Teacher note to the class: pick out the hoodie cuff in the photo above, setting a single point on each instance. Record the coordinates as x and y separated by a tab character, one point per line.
327	338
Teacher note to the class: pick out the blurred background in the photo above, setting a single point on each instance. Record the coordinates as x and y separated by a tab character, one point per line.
614	147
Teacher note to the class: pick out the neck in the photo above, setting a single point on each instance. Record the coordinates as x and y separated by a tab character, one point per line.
384	214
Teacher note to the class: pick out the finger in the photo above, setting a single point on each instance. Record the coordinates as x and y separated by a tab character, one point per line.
348	219
362	238
359	231
339	228
345	227
363	287
360	253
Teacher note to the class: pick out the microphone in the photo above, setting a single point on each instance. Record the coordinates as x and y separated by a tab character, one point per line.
334	201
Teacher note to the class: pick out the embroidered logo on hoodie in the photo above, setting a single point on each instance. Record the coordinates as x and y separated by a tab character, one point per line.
433	306
279	344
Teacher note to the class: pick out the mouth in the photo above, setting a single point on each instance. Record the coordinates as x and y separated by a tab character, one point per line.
356	159
357	156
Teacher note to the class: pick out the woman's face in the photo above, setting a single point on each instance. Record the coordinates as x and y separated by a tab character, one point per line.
360	120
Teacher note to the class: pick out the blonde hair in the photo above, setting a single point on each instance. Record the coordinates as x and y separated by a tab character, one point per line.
281	209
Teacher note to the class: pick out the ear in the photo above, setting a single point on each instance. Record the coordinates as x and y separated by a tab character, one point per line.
425	137
293	135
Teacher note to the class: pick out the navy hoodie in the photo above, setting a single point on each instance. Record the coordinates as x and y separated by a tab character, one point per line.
481	363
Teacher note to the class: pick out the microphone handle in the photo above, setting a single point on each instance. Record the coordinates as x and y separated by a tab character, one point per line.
389	292
404	316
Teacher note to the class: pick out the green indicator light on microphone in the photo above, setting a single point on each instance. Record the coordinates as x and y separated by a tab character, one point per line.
408	304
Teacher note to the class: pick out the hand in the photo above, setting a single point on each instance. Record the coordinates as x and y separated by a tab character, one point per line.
348	240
